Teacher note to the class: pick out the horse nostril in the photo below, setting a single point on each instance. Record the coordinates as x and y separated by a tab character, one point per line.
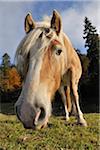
40	115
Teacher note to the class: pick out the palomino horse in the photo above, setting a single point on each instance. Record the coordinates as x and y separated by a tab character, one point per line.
44	56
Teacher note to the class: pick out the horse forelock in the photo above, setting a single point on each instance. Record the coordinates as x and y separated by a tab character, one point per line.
27	45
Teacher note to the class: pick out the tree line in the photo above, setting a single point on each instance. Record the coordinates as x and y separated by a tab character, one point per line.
90	78
11	81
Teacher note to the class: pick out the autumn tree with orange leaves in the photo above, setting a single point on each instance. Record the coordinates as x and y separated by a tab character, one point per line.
9	77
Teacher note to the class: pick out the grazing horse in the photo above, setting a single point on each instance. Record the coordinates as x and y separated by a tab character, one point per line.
44	56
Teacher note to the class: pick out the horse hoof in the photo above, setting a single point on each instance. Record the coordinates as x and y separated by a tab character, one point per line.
67	119
82	123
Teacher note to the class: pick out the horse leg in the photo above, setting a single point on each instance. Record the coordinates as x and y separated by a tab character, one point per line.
80	119
68	98
62	92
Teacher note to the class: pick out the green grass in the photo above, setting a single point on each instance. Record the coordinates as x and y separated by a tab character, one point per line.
57	136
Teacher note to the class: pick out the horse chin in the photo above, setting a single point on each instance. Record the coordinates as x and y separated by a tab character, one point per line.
42	124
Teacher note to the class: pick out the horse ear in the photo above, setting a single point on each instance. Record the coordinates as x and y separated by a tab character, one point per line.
56	22
29	23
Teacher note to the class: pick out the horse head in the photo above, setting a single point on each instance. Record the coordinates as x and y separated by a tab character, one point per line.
40	57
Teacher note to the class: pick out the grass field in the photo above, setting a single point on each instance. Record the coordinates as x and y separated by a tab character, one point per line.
57	136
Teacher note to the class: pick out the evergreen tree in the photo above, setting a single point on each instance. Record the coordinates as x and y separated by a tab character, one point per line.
92	40
92	43
5	61
5	65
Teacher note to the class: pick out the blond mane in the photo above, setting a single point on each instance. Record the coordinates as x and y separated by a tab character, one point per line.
29	44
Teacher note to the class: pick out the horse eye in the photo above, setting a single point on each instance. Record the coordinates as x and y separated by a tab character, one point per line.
58	51
47	30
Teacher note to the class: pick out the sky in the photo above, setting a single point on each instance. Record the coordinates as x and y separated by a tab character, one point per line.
73	12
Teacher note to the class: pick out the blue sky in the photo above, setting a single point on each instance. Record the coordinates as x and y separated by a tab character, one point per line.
12	14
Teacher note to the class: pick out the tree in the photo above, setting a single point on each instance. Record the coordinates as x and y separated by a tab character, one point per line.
12	82
9	77
92	40
6	61
14	78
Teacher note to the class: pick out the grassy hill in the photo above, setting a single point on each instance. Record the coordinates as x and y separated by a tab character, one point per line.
58	136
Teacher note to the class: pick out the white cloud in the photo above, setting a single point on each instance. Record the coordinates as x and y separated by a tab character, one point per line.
73	20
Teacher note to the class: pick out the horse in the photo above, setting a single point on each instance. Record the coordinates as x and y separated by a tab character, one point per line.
43	57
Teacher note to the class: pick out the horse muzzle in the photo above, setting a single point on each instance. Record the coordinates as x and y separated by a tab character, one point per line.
33	121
